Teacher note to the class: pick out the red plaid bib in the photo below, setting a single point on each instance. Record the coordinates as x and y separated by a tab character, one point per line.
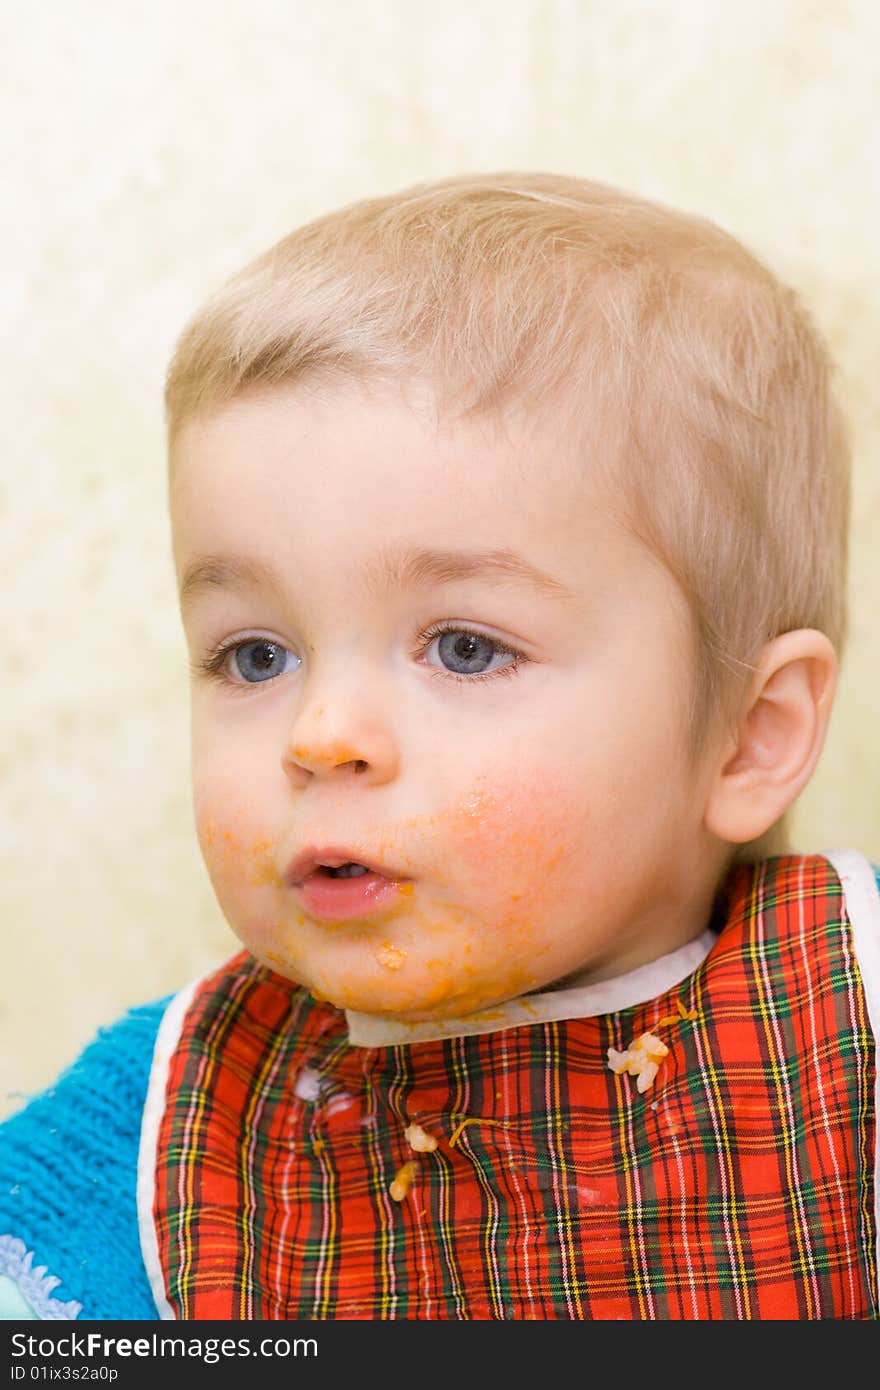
739	1184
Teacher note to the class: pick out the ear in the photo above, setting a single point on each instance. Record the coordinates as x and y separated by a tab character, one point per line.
770	755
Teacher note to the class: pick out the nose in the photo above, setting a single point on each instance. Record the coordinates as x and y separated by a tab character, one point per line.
340	739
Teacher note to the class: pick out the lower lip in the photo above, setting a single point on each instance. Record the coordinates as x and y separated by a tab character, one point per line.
337	899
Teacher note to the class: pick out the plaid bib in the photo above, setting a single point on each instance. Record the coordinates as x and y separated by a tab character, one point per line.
515	1174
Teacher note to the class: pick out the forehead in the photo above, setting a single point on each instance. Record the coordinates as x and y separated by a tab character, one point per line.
358	424
377	481
368	433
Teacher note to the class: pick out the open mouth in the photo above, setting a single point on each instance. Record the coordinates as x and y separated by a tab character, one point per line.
336	892
332	888
343	870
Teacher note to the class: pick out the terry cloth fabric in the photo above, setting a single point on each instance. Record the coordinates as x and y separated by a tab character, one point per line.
741	1185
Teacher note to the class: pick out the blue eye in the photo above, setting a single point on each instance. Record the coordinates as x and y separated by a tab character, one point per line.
260	659
465	653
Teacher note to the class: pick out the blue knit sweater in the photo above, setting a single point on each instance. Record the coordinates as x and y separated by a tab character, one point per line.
68	1177
69	1240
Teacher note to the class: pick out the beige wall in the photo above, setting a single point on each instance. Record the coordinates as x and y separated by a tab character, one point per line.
151	149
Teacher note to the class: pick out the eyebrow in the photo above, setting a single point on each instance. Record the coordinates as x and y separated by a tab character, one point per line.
417	568
391	571
224	572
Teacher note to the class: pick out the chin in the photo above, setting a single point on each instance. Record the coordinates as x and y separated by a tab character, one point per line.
412	1009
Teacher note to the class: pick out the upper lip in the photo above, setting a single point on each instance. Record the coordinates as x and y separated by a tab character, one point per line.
332	856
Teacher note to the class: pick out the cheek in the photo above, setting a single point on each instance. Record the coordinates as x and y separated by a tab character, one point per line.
236	840
236	776
236	858
513	836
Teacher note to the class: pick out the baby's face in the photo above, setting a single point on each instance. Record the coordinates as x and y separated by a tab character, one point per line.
435	652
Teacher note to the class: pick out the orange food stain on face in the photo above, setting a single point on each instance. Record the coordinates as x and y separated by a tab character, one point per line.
254	860
476	804
390	957
466	997
260	856
486	949
265	876
278	960
332	755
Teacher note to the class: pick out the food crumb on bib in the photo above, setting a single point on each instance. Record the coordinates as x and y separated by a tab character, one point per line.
403	1180
419	1139
641	1059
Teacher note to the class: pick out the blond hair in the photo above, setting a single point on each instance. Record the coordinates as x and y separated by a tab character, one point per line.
566	295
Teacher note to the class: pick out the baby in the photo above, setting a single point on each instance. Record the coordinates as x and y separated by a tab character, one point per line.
510	521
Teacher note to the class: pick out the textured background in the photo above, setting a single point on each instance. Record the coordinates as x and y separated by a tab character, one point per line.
152	149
